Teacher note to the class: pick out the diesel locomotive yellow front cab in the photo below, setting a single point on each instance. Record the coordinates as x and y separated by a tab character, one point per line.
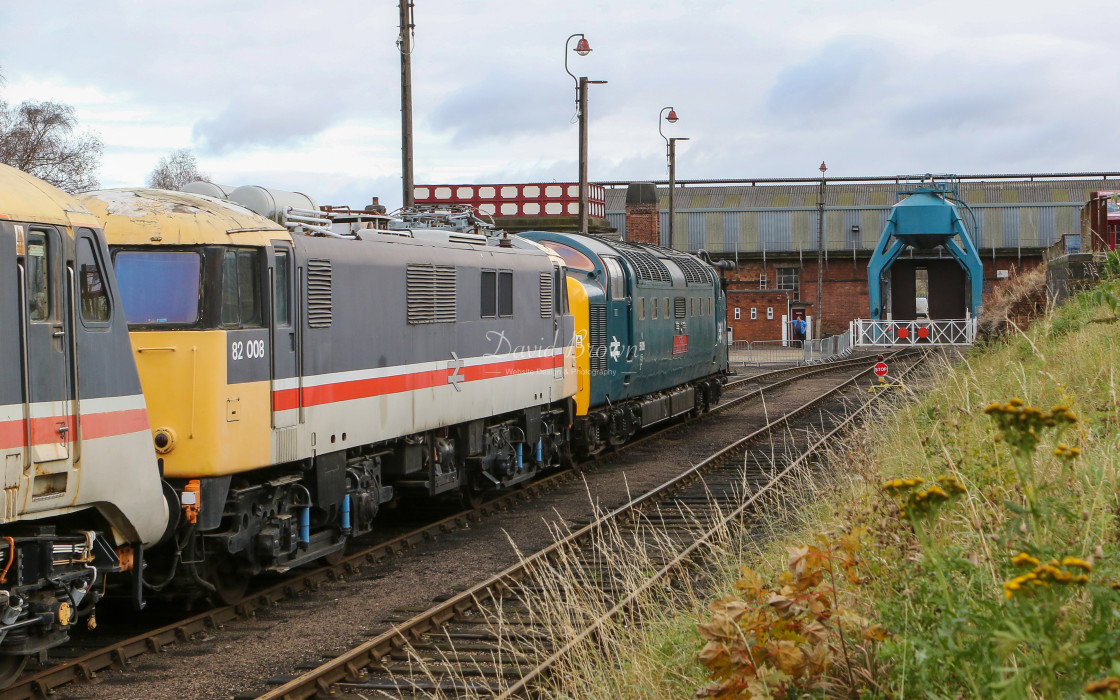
193	273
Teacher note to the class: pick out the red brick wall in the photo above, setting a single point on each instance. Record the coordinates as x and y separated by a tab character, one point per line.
843	294
643	223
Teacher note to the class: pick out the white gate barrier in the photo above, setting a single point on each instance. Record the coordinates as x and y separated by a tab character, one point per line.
921	332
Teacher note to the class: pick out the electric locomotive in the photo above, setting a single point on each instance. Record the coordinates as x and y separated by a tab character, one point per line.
298	380
650	326
82	496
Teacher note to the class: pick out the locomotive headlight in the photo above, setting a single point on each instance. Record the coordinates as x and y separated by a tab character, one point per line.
164	439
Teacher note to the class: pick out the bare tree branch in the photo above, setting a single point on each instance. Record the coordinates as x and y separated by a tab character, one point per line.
40	138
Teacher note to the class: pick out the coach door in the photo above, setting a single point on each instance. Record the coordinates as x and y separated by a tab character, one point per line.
46	325
285	381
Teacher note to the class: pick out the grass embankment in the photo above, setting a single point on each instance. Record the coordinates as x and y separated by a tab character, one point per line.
965	545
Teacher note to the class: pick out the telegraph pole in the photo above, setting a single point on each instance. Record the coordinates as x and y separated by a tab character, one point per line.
404	44
820	251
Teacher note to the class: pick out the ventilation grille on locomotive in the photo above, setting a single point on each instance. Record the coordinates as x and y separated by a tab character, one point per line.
546	295
646	266
319	295
695	272
598	344
680	308
431	293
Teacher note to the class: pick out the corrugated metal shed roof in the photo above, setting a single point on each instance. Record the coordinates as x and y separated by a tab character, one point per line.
741	197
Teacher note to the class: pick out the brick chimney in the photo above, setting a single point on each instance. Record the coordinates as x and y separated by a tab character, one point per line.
643	216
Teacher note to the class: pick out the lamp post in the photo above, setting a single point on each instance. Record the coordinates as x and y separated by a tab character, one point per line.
404	45
820	249
671	154
582	48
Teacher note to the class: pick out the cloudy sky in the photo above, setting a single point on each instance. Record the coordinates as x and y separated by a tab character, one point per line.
305	95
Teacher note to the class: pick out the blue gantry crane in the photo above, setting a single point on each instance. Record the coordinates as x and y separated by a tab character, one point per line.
925	217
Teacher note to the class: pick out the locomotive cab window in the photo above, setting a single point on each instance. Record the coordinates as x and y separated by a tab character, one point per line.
159	287
281	305
37	265
91	285
616	278
241	301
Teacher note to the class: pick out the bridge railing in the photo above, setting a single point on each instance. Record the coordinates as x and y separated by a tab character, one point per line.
866	332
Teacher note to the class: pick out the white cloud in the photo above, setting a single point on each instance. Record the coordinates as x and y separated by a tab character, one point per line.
306	96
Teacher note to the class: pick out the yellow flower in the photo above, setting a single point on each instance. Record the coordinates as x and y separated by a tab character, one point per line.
1077	563
1024	559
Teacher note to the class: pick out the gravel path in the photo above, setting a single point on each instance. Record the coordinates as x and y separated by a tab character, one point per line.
300	633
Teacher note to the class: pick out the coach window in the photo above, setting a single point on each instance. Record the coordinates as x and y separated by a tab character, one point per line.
489	294
91	285
282	302
505	294
241	303
37	262
617	280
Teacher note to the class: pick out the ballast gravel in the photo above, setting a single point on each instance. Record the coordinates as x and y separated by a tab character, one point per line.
283	641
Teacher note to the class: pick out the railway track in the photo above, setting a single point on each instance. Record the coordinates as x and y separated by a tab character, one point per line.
121	651
488	641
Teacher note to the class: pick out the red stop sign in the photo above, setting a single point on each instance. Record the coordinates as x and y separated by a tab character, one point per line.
881	369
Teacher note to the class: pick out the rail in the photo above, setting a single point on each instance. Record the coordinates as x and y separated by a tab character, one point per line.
119	654
349	666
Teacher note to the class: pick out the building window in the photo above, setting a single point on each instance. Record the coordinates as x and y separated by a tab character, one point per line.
754	314
789	279
770	313
737	313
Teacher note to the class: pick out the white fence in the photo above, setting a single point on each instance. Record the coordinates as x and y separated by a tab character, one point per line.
923	332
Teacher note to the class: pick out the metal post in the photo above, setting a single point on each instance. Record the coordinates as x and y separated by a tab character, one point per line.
581	101
820	255
672	187
404	44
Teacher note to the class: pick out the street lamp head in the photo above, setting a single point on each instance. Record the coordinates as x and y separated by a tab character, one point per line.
823	167
672	117
582	47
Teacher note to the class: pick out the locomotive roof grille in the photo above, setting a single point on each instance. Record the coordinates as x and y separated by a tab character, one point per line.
648	267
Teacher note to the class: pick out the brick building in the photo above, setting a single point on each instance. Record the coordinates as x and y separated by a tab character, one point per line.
771	230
